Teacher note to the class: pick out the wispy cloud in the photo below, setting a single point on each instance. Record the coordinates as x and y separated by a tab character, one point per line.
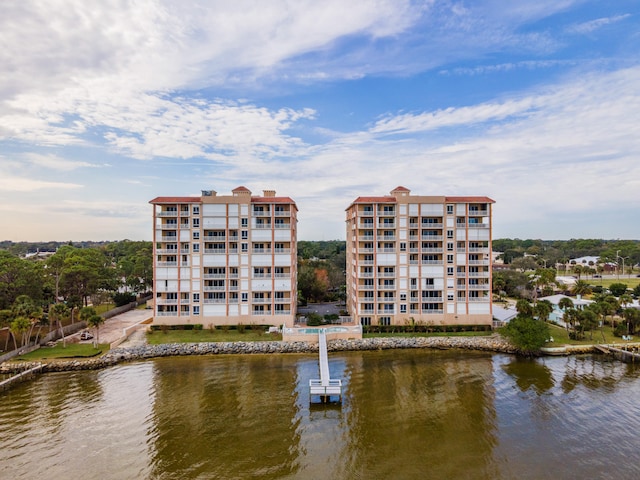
55	162
592	25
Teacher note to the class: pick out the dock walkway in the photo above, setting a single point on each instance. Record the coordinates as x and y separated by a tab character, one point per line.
325	387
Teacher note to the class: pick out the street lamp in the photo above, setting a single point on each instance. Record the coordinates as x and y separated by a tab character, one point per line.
623	259
618	264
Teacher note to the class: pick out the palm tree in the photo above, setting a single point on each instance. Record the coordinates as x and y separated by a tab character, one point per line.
581	287
524	308
543	309
95	321
56	313
20	325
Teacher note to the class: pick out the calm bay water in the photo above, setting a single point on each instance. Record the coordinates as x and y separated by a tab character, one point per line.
405	414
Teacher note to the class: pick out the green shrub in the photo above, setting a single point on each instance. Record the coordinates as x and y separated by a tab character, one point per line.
197	326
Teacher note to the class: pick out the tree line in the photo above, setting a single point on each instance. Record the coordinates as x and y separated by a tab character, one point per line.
35	291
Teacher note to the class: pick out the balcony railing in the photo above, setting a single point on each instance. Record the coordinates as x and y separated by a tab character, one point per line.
261	300
432	262
167	264
210	276
478	225
218	251
479	299
431	225
366	213
167	301
478	262
215	300
282	213
166	314
172	238
431	238
167	214
216	288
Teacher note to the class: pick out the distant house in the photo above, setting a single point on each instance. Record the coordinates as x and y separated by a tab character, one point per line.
557	314
586	261
502	316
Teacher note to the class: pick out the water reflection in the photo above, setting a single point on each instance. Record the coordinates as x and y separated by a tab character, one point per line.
405	414
530	373
225	417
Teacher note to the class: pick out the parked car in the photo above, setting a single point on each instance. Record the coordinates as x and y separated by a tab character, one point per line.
86	336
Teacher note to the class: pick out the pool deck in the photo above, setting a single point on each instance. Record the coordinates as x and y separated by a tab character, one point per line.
311	334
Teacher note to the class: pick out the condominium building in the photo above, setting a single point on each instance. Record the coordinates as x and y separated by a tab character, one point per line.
420	258
225	259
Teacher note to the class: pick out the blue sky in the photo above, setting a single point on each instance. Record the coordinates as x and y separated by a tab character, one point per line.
106	105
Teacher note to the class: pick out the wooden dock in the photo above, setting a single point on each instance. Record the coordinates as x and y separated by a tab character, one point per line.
325	388
627	356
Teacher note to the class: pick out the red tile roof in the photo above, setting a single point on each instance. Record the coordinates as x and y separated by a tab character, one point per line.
469	199
175	200
241	189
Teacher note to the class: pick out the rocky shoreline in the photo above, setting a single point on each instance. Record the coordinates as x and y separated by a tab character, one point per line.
493	343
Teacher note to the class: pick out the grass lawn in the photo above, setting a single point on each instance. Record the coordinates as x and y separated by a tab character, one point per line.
561	337
105	307
630	282
72	350
432	334
206	335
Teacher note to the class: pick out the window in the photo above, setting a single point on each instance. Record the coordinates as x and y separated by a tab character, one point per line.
196	309
403	308
365	321
403	246
244	222
449	233
196	210
449	209
450	271
244	297
385	321
196	298
196	247
403	296
449	246
244	247
450	297
449	258
196	235
245	234
196	223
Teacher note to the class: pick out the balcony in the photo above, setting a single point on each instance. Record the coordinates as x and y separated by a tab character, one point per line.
184	301
386	300
479	299
211	276
166	251
386	250
282	213
169	226
431	225
386	274
432	250
386	238
367	311
479	287
261	213
386	287
433	311
365	287
282	226
166	264
365	213
282	250
478	249
478	262
171	238
478	213
167	301
432	262
167	214
431	299
166	314
431	238
261	300
477	274
217	251
214	300
261	250
282	275
478	225
365	250
212	288
263	226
